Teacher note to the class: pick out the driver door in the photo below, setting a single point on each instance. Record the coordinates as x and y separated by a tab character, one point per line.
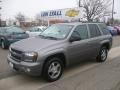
79	50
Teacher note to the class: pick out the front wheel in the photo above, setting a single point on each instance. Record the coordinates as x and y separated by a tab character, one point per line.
102	54
53	69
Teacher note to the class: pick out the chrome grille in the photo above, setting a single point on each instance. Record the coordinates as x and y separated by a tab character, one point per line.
16	55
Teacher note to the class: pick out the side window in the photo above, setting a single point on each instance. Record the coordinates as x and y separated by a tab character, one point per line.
81	31
94	30
104	29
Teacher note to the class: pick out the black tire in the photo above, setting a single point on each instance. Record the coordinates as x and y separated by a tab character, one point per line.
103	53
47	66
3	45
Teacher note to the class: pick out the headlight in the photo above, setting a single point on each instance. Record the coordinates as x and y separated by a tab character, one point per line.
9	49
30	56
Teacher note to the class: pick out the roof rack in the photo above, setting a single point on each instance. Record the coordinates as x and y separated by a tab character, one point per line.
90	22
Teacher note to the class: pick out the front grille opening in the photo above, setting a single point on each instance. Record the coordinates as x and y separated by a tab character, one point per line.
17	51
16	55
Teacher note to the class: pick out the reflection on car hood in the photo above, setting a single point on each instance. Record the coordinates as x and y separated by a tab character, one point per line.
33	44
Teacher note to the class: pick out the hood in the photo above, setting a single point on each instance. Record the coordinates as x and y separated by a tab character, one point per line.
34	44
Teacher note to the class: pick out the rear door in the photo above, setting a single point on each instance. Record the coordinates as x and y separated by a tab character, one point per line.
95	39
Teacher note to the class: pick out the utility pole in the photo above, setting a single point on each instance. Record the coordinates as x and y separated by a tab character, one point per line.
113	12
79	5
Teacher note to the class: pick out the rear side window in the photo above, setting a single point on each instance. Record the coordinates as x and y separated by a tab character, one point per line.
94	30
82	31
103	27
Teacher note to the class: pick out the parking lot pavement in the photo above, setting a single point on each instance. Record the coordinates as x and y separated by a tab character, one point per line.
4	68
13	81
3	61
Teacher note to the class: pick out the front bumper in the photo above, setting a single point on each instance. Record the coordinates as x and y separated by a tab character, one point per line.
29	68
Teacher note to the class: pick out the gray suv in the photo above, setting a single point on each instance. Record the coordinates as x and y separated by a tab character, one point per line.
59	46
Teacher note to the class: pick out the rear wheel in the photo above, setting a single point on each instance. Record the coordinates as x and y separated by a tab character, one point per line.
102	54
53	69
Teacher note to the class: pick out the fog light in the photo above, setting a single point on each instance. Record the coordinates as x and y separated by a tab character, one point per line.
28	70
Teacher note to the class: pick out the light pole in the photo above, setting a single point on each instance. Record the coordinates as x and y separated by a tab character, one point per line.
113	12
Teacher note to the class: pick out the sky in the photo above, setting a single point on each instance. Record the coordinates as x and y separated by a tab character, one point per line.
10	8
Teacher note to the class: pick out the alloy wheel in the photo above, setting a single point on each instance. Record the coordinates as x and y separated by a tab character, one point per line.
54	70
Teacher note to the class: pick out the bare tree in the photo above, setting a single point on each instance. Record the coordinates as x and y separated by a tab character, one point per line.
37	17
20	17
95	9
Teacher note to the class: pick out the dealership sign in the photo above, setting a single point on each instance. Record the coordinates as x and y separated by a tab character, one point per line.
62	14
51	13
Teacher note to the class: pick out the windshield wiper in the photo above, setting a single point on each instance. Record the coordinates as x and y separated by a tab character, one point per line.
48	37
42	36
51	37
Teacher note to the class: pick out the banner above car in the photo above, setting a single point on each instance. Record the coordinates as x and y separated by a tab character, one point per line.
62	14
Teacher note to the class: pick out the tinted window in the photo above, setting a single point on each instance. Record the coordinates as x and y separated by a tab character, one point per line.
94	30
104	29
81	31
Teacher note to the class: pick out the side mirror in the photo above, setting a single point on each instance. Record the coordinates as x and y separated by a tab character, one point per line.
24	32
74	38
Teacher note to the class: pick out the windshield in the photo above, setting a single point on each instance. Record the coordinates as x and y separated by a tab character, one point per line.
14	30
57	31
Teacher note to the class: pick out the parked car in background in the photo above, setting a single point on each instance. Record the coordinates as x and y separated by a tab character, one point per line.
118	29
9	35
112	30
35	31
59	46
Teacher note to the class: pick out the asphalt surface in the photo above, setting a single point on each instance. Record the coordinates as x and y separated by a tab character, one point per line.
85	75
5	70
